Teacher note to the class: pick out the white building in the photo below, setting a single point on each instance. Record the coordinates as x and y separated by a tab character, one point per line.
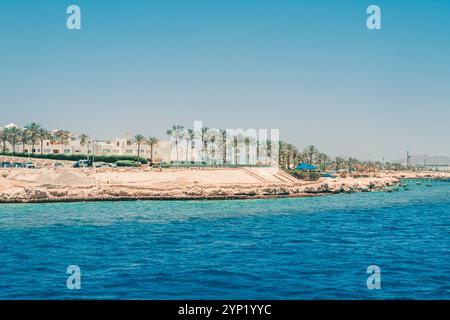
214	148
74	145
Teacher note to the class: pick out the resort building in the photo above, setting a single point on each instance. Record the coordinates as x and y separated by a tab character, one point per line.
75	145
213	148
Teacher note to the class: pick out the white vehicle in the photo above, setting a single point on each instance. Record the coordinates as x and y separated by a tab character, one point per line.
102	165
30	165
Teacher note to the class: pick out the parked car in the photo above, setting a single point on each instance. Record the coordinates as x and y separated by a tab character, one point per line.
57	165
102	165
83	164
18	165
5	164
29	165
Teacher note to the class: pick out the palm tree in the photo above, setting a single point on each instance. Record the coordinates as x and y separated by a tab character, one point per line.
151	141
61	137
322	159
175	132
338	161
33	133
287	154
190	134
268	147
139	139
311	151
247	149
204	133
295	156
258	152
235	146
282	150
83	139
211	136
291	156
223	134
13	137
24	138
237	140
350	163
43	134
4	137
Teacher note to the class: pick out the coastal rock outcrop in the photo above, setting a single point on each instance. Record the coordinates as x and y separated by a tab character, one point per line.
46	185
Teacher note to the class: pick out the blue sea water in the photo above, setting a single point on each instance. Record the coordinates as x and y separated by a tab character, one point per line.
306	248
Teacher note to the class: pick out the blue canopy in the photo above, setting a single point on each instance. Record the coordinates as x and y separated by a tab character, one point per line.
305	166
328	175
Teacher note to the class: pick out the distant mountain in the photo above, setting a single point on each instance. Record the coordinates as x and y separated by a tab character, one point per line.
428	160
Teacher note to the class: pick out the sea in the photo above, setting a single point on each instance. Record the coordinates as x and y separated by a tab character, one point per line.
377	245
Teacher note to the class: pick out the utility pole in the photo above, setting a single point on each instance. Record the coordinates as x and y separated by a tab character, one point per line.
93	153
408	160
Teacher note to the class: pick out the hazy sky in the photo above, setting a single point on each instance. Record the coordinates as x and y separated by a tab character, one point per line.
310	68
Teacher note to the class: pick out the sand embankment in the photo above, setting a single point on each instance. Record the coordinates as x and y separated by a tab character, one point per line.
47	184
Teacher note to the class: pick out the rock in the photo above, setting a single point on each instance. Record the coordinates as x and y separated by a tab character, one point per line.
58	193
37	194
116	192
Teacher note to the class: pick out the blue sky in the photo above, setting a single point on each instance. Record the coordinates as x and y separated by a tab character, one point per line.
310	68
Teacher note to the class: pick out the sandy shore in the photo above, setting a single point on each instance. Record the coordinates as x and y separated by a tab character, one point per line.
46	184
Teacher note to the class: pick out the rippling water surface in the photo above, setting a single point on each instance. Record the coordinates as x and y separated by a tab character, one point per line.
308	248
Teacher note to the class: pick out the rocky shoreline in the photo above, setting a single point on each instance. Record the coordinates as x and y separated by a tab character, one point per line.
75	185
188	192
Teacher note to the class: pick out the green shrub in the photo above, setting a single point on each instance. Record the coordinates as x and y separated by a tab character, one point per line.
76	157
305	175
314	176
127	163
